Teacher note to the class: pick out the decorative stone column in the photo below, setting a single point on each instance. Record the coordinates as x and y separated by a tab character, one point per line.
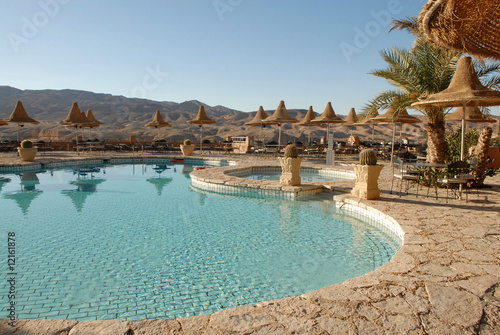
366	186
290	171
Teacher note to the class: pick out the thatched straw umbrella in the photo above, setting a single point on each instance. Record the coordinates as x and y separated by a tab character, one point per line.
307	121
329	117
464	90
366	121
75	119
258	119
158	122
390	117
279	117
472	114
351	118
469	26
200	120
20	117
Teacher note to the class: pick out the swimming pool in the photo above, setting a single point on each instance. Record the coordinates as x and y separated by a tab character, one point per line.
306	174
135	241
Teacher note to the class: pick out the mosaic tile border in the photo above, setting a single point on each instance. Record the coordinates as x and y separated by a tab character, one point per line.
374	217
227	181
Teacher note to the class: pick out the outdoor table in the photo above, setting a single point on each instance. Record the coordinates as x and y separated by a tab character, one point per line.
432	174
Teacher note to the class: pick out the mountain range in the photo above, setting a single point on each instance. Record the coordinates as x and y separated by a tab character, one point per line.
123	117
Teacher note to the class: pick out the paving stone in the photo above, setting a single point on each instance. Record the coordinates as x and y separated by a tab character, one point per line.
332	309
454	306
194	324
366	327
368	312
477	256
399	324
39	327
154	327
436	270
395	305
295	324
375	293
396	290
336	293
492	269
334	326
467	268
434	326
420	304
107	327
240	319
294	306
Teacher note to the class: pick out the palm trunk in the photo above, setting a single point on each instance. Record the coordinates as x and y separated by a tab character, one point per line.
436	143
481	151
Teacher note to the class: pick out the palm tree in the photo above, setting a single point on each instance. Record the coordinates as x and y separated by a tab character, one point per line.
417	72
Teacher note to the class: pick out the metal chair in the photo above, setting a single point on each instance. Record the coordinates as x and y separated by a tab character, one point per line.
403	175
456	178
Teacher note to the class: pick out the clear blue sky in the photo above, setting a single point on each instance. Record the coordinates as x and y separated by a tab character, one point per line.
236	53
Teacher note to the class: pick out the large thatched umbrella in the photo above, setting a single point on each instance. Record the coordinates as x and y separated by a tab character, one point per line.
158	122
279	117
469	26
328	117
258	119
366	121
390	117
75	119
472	114
20	117
465	90
200	120
307	121
351	118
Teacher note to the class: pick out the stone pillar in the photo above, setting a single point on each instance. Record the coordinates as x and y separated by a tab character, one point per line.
290	171
366	186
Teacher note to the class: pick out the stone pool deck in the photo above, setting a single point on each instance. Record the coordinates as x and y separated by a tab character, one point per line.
444	280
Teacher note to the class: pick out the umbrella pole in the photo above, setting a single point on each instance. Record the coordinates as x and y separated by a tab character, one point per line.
77	150
201	139
462	140
279	137
393	138
18	130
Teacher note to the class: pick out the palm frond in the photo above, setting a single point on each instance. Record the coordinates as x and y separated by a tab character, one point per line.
409	24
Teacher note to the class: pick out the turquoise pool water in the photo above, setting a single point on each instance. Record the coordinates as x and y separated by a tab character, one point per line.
306	175
135	241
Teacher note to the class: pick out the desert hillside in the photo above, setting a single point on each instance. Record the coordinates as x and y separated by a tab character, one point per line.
123	117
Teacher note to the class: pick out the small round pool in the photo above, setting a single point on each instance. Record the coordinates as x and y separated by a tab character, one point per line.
273	173
135	241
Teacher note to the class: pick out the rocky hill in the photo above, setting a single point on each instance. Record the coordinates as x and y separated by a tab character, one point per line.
123	117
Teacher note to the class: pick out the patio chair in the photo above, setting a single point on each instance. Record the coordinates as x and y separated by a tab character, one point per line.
456	178
401	173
